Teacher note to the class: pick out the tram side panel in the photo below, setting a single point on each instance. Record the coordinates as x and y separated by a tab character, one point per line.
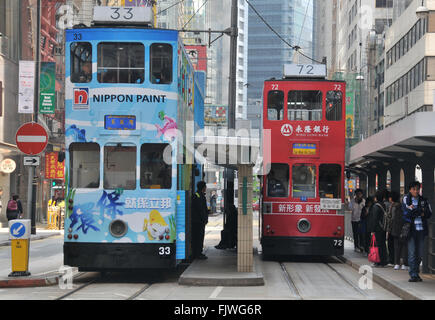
122	145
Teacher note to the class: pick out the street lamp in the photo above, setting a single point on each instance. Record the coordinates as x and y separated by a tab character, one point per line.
422	11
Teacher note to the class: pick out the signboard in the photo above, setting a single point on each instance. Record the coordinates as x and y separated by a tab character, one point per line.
123	14
47	90
198	57
31	161
31	138
54	169
215	115
119	122
305	149
26	86
8	166
305	70
330	204
19	229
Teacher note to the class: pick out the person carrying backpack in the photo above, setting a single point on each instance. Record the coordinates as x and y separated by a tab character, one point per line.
416	212
376	225
14	209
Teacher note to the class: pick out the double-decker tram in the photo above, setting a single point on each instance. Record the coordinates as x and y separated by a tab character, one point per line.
129	98
303	192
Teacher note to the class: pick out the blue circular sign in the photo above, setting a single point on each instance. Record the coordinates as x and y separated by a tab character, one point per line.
18	229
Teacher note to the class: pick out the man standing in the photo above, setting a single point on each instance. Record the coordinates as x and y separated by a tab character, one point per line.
416	212
199	220
356	205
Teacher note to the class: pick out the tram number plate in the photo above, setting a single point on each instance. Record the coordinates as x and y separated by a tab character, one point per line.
164	251
338	243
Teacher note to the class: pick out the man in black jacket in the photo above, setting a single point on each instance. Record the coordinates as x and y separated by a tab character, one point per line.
375	225
199	220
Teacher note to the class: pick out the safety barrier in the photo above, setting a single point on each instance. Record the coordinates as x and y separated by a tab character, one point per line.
55	217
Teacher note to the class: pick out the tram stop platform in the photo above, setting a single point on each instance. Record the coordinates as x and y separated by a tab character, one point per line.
395	281
220	269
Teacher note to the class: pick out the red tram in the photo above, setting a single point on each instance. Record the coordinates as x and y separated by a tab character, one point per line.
303	192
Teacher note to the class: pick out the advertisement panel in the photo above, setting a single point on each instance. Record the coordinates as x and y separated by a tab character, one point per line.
53	168
198	57
47	89
26	86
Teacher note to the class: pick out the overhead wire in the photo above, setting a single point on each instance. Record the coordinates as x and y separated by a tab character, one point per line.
203	4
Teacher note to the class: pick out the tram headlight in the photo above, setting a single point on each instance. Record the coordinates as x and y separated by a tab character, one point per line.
118	228
304	225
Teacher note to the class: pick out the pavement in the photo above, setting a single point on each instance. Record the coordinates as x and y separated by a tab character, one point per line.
42	278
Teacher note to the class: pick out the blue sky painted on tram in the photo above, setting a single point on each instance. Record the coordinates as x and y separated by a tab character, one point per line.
96	34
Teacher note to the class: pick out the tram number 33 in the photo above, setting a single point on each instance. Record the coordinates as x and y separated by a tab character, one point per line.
127	13
164	251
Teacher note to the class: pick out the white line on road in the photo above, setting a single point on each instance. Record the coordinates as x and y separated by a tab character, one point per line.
216	292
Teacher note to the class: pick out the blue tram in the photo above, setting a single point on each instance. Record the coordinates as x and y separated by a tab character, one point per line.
132	98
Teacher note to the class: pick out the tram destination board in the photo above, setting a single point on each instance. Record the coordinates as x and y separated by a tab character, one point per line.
116	122
123	15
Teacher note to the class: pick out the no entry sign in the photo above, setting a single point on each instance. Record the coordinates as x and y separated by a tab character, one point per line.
31	138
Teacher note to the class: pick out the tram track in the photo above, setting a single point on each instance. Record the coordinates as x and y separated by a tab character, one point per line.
100	280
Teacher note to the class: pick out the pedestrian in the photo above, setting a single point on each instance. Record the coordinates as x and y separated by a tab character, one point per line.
14	209
199	220
365	235
386	200
397	221
388	227
229	233
213	198
356	205
416	212
376	227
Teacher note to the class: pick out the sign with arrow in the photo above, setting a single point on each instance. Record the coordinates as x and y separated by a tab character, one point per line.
19	229
31	161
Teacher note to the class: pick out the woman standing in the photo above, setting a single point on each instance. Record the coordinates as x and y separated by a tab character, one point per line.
400	246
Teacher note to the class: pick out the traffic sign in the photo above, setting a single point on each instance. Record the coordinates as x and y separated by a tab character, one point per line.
31	138
19	229
31	161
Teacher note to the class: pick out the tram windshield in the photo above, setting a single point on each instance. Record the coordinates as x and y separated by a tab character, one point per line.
155	173
334	102
278	181
329	181
120	166
85	165
275	105
121	62
305	105
304	181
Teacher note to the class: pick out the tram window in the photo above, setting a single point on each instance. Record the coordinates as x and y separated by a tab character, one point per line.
334	103
120	166
84	165
81	62
275	105
155	173
305	105
121	62
161	63
304	181
278	180
329	181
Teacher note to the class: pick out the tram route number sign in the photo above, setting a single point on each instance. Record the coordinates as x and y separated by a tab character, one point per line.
123	14
305	70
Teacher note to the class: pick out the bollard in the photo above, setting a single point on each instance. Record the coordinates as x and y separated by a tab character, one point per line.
19	234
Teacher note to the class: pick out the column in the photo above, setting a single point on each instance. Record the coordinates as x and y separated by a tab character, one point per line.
395	177
382	178
409	172
427	168
363	183
371	183
245	257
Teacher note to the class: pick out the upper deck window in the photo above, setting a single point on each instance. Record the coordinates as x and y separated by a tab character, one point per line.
305	105
275	105
81	62
334	103
121	62
161	63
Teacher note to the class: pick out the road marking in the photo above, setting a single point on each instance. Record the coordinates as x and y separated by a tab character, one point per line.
216	292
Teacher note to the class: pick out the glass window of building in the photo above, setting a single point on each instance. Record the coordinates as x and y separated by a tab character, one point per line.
84	165
120	166
161	63
278	181
121	62
275	105
330	181
334	105
81	62
304	181
155	172
305	105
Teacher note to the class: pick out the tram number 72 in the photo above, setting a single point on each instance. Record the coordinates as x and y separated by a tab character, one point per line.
338	243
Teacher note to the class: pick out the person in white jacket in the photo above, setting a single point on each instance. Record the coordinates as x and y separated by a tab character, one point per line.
356	205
